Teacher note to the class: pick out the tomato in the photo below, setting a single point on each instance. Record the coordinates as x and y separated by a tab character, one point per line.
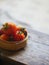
4	37
10	31
14	29
9	28
19	36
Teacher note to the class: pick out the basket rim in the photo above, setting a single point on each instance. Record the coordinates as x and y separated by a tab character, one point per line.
17	42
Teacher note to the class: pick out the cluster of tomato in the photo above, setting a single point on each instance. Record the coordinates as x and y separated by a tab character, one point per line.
11	32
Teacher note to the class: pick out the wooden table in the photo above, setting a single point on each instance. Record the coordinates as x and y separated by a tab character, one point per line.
36	51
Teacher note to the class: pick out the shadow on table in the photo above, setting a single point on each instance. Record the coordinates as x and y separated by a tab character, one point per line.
7	61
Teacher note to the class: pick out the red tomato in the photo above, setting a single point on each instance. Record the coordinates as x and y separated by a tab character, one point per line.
11	32
4	37
9	28
19	36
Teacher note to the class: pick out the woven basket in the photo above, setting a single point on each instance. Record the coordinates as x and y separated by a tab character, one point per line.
13	45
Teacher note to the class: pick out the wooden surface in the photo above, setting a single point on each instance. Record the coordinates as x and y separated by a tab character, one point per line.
36	51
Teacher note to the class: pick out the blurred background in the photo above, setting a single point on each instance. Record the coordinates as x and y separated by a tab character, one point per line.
32	12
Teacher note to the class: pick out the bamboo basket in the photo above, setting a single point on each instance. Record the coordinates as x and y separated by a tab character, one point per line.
13	45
